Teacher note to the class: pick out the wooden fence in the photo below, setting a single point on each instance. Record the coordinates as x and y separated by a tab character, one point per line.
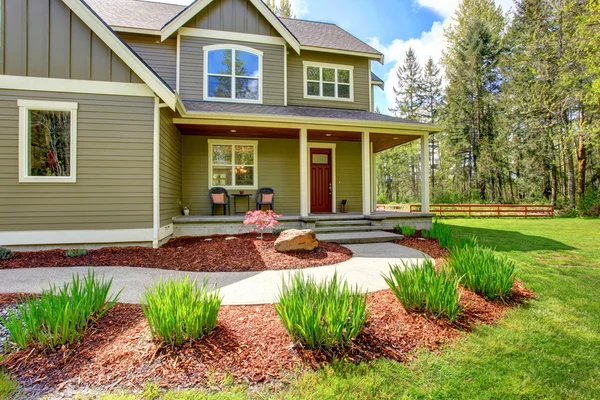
488	210
478	210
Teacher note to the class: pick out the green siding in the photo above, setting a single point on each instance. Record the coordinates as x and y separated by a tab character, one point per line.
362	84
170	168
114	171
349	175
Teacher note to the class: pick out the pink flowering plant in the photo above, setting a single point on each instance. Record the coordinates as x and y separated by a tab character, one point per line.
261	220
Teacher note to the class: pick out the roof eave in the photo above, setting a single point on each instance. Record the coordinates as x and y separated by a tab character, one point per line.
373	56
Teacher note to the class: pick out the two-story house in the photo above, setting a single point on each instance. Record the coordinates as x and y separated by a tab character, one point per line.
117	114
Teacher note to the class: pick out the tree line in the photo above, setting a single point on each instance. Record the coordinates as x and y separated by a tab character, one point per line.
519	101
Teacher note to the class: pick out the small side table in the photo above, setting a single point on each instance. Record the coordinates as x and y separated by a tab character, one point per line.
235	196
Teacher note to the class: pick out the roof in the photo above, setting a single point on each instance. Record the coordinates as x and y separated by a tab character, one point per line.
137	14
375	80
140	14
294	111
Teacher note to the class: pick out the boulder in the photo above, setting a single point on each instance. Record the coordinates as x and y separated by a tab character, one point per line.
293	240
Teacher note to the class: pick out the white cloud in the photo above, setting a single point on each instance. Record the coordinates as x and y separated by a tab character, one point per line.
430	44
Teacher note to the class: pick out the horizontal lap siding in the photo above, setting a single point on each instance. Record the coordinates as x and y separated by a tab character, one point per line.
349	175
44	38
170	168
114	167
192	68
362	84
160	56
278	168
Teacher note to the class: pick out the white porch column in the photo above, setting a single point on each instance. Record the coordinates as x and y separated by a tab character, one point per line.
373	182
425	173
366	173
304	201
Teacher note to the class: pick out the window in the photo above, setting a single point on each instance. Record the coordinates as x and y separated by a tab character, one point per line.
47	141
328	81
233	73
233	164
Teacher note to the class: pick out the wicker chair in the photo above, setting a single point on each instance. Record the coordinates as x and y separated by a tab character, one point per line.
262	200
226	203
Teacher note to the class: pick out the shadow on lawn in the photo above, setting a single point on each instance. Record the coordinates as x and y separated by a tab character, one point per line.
504	241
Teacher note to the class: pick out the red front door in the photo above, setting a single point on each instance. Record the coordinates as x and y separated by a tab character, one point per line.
320	181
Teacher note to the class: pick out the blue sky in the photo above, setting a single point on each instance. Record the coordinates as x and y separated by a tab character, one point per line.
391	26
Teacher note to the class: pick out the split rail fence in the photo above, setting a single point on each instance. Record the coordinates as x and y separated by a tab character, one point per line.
479	210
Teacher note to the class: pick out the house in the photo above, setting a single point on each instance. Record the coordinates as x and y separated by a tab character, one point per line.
116	114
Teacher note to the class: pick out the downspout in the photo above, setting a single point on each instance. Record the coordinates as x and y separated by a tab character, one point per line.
156	173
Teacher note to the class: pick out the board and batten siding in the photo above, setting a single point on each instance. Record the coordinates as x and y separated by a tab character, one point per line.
233	16
362	83
191	78
160	56
171	166
278	168
44	38
114	167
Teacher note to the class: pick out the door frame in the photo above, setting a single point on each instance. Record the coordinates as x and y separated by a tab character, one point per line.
332	146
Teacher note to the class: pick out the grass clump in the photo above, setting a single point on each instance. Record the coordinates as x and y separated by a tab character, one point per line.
61	315
72	253
406	230
180	311
6	254
321	315
443	233
422	288
482	270
426	233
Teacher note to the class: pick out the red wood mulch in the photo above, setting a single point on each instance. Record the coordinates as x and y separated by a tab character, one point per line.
249	343
245	253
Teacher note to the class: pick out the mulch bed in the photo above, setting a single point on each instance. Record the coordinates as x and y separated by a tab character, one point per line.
200	254
249	343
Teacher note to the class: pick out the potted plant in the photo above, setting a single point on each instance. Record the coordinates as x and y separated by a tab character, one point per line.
186	211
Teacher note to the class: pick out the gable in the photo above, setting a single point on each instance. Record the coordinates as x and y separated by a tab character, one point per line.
44	38
240	16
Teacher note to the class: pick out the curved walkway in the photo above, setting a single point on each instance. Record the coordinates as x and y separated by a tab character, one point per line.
237	288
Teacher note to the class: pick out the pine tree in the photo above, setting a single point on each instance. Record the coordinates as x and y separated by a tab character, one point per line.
409	87
283	9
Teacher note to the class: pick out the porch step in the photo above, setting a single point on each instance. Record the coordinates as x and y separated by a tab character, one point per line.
358	237
350	228
352	222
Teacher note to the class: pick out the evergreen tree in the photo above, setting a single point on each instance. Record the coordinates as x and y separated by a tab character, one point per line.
408	99
283	9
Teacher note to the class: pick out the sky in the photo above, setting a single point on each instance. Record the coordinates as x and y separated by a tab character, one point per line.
390	26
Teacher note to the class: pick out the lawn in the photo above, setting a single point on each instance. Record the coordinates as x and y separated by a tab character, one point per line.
548	349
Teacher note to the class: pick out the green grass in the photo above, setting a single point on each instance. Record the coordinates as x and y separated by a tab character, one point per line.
7	386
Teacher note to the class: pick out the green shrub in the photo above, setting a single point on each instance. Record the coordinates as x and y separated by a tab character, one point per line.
482	270
60	316
321	315
426	233
443	233
406	230
71	253
179	311
421	288
6	254
277	231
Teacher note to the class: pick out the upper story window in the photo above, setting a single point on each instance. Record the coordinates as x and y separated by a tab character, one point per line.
47	141
328	81
232	73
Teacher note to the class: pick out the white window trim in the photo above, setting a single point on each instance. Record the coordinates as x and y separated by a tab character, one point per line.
258	53
350	68
253	143
24	139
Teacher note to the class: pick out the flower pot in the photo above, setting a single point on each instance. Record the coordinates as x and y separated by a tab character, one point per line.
186	212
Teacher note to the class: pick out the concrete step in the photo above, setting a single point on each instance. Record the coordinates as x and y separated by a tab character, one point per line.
334	229
359	237
355	222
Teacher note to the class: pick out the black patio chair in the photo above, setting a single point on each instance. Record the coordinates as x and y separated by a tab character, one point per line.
265	197
214	195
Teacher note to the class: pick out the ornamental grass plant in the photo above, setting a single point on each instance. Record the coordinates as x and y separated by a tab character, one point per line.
422	288
61	315
406	230
443	234
180	311
321	315
482	270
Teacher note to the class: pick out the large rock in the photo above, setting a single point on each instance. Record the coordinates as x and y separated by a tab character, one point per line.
296	240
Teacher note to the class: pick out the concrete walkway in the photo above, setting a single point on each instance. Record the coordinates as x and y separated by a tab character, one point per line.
237	288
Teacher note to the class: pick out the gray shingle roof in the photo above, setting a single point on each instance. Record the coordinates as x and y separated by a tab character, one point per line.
292	111
142	14
375	78
135	13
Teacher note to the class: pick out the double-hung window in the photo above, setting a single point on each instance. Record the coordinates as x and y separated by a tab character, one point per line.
47	141
232	73
328	81
233	164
